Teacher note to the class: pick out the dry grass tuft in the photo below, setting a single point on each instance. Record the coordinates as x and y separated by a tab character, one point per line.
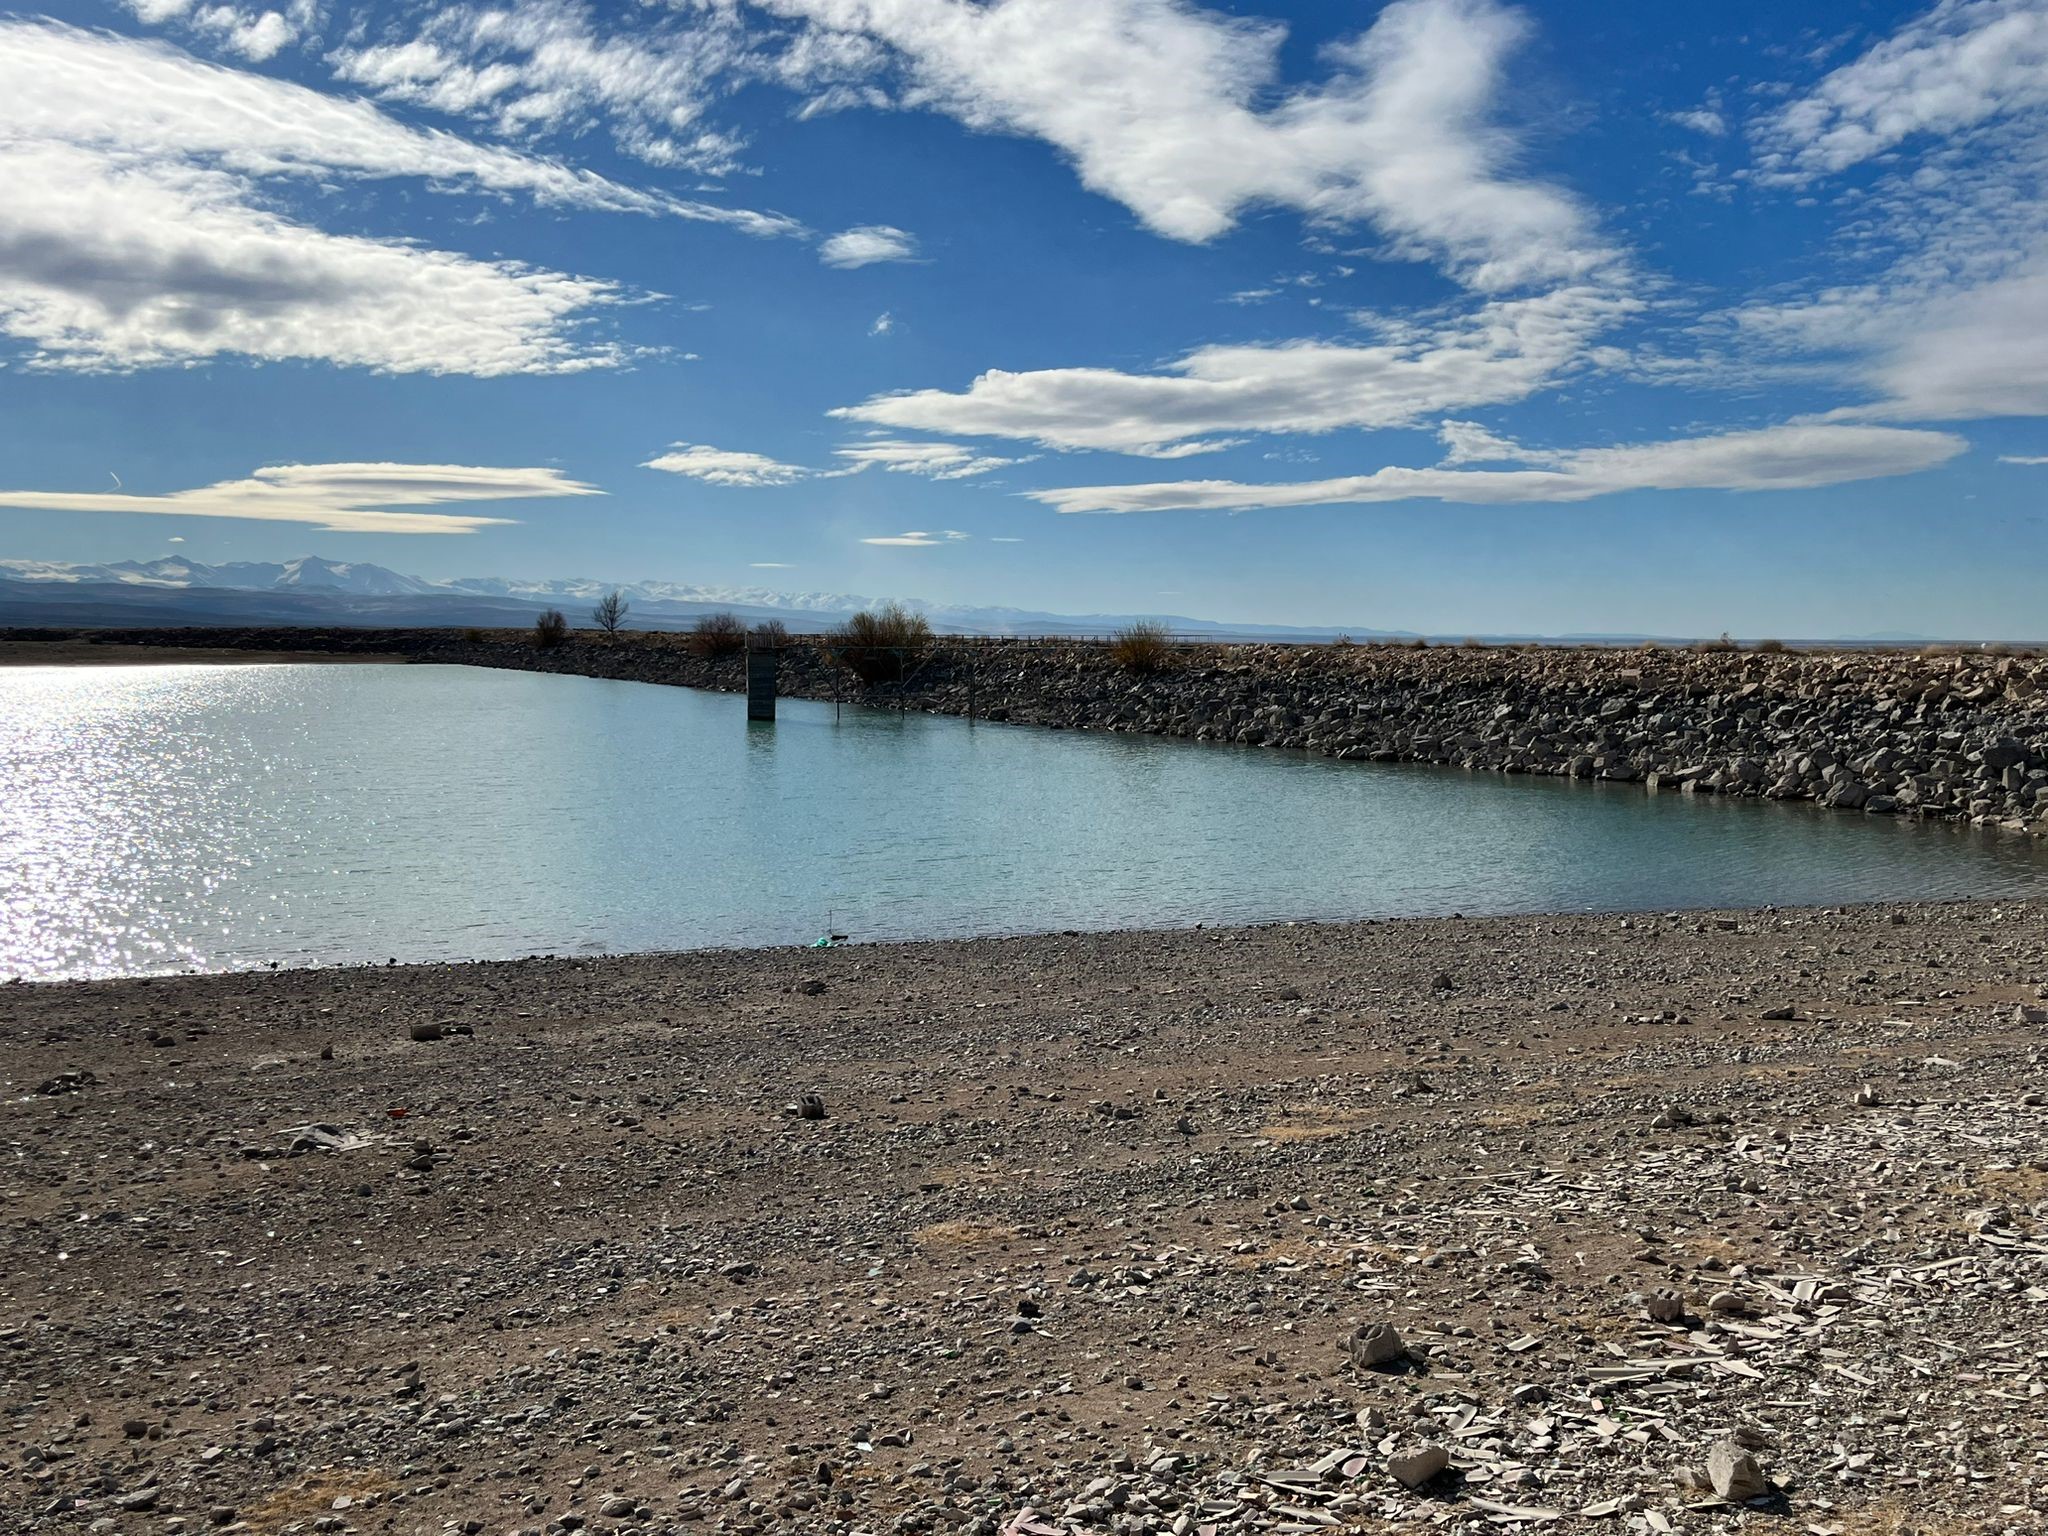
313	1496
1142	647
953	1235
1316	1125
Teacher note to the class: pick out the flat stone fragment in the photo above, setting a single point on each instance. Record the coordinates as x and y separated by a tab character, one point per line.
1413	1466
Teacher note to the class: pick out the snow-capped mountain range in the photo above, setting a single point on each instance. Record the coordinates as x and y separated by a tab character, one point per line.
310	590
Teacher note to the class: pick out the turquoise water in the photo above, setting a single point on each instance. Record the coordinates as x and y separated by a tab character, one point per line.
158	818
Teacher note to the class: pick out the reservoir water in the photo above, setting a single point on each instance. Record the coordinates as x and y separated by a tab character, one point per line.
162	818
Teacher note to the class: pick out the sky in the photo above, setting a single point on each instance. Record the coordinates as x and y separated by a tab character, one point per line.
1439	315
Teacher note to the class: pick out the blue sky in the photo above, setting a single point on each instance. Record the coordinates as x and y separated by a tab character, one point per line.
1444	315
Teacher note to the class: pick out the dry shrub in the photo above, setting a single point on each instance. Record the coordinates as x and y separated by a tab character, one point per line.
1345	641
550	630
1142	647
883	646
1725	643
1771	647
771	634
717	634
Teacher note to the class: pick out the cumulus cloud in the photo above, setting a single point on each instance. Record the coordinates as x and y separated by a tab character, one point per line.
1178	113
868	244
340	498
884	324
140	225
1707	120
935	461
1504	352
917	540
725	466
1800	456
1962	64
253	33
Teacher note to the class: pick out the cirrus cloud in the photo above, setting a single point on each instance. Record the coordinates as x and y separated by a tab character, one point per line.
919	540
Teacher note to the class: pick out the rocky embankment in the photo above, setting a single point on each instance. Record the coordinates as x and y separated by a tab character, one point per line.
1954	736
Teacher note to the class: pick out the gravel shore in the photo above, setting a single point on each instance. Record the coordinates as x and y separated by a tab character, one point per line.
1660	1214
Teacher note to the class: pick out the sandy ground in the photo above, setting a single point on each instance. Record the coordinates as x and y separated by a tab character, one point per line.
1081	1242
87	653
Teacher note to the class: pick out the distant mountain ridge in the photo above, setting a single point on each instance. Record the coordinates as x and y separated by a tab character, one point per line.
312	590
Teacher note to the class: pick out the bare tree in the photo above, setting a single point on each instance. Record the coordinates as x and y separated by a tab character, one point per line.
550	630
610	612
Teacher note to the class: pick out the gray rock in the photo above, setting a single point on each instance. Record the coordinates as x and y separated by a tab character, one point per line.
1664	1306
1734	1474
1377	1344
1412	1466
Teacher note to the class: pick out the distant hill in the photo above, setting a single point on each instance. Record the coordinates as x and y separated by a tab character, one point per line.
310	590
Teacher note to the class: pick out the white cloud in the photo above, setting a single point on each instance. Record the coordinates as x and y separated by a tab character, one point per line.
935	461
108	264
1178	114
1467	442
141	227
1954	224
1793	457
770	565
724	466
868	244
1504	352
884	324
1962	64
1707	120
254	34
546	65
341	498
721	466
917	540
62	85
2022	458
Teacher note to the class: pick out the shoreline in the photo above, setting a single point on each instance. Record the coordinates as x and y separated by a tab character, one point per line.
88	653
910	946
1933	735
1087	1229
